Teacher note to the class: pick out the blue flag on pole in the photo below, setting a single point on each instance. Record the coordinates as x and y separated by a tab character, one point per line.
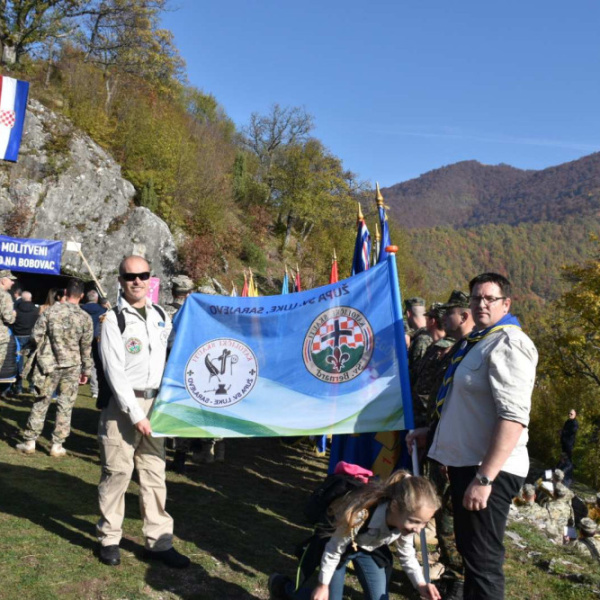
332	360
362	246
385	227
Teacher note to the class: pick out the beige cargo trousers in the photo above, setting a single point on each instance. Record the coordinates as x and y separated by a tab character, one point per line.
122	447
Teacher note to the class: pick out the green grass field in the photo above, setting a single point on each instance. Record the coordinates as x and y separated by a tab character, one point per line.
238	521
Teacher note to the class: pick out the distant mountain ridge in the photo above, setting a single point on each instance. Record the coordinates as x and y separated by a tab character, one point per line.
468	194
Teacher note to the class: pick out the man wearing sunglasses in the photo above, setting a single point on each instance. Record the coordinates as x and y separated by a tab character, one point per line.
133	347
484	404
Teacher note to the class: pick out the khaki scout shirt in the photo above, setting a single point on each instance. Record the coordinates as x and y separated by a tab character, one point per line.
135	359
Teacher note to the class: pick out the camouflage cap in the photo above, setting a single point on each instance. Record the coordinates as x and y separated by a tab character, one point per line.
529	489
560	490
411	302
457	299
436	310
182	284
558	475
588	526
6	273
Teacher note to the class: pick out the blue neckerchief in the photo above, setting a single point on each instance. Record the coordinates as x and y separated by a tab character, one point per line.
507	320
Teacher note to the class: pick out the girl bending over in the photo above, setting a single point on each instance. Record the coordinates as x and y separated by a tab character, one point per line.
365	522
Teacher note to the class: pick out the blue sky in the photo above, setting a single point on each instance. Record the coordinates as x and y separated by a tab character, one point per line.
398	88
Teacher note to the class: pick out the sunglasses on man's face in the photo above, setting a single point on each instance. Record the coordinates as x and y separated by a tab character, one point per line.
133	276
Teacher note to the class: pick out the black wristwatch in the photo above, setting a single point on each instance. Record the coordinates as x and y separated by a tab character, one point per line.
483	480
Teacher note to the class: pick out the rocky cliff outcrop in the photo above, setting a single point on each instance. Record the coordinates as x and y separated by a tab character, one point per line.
66	187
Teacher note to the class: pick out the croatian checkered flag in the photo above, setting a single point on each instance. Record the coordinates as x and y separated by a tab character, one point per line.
13	103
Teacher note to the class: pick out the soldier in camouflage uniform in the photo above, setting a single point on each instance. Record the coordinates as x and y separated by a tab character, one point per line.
414	315
63	337
560	511
594	510
426	377
527	507
458	322
183	286
587	544
7	312
420	338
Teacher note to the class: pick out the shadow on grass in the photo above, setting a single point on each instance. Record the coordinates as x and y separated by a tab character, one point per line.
70	494
195	583
84	424
245	513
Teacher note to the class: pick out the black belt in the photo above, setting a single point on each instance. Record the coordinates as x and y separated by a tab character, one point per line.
147	394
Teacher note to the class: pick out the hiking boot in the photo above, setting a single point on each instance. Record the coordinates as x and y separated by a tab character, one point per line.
455	590
169	557
207	454
220	451
277	586
27	447
110	555
57	451
177	465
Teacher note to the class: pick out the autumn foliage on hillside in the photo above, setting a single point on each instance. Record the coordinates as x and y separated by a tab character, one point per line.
260	195
469	194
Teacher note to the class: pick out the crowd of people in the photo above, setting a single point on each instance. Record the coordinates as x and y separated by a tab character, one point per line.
471	369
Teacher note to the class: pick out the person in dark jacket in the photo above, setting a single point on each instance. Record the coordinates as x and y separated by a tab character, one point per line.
27	314
95	310
568	433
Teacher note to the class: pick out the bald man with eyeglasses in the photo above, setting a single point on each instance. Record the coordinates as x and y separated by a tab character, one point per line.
133	348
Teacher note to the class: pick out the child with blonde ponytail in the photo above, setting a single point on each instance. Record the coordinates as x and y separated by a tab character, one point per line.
365	522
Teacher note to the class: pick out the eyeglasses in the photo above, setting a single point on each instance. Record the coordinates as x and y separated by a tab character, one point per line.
487	300
133	276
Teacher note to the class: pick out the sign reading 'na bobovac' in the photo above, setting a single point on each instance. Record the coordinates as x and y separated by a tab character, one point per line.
32	256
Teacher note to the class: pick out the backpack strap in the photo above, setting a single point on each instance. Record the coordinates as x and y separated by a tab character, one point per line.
121	317
160	311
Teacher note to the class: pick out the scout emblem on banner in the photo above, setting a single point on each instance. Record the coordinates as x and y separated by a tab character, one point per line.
338	345
326	360
13	103
235	371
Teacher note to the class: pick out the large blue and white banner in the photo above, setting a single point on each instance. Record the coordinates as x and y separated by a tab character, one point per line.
30	255
327	360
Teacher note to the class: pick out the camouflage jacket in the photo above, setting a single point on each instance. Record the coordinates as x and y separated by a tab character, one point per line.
418	346
171	309
7	315
532	512
560	512
63	335
428	377
444	363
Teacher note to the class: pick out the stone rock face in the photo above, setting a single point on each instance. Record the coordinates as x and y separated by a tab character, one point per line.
66	187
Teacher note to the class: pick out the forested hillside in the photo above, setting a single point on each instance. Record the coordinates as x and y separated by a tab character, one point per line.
449	195
532	255
267	192
468	194
258	194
